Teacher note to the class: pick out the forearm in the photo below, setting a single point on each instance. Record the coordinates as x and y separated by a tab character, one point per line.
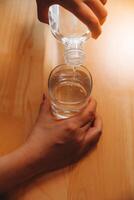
17	167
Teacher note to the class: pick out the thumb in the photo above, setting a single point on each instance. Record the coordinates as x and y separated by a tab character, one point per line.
42	11
45	105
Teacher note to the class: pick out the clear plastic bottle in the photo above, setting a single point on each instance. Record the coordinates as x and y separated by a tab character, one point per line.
70	31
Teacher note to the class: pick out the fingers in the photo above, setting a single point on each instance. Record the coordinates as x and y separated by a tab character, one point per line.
93	133
98	9
86	127
88	17
87	115
90	138
90	12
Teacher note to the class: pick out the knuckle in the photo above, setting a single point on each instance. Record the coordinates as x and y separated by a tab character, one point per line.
95	22
71	127
83	116
79	140
93	106
98	131
40	18
90	115
104	14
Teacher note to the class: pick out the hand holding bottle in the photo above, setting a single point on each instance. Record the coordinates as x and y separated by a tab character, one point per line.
90	12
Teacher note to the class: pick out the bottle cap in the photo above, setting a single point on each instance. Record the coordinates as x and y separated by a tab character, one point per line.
74	57
74	54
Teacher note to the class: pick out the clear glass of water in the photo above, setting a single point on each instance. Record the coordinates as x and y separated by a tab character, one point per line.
69	90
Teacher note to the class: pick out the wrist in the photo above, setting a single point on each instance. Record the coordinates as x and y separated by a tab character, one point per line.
16	168
34	156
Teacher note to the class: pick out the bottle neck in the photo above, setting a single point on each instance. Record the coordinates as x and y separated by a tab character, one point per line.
74	54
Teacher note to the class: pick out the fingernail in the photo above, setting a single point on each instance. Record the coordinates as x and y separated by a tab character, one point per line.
43	97
95	36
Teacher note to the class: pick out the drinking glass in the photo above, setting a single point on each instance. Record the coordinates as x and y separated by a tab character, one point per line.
69	90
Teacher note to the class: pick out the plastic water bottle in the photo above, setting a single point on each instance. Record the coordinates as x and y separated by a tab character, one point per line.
70	31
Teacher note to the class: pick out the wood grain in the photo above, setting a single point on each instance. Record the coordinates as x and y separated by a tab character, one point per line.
28	52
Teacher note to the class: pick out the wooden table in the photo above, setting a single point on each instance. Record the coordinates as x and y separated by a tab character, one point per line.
27	54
